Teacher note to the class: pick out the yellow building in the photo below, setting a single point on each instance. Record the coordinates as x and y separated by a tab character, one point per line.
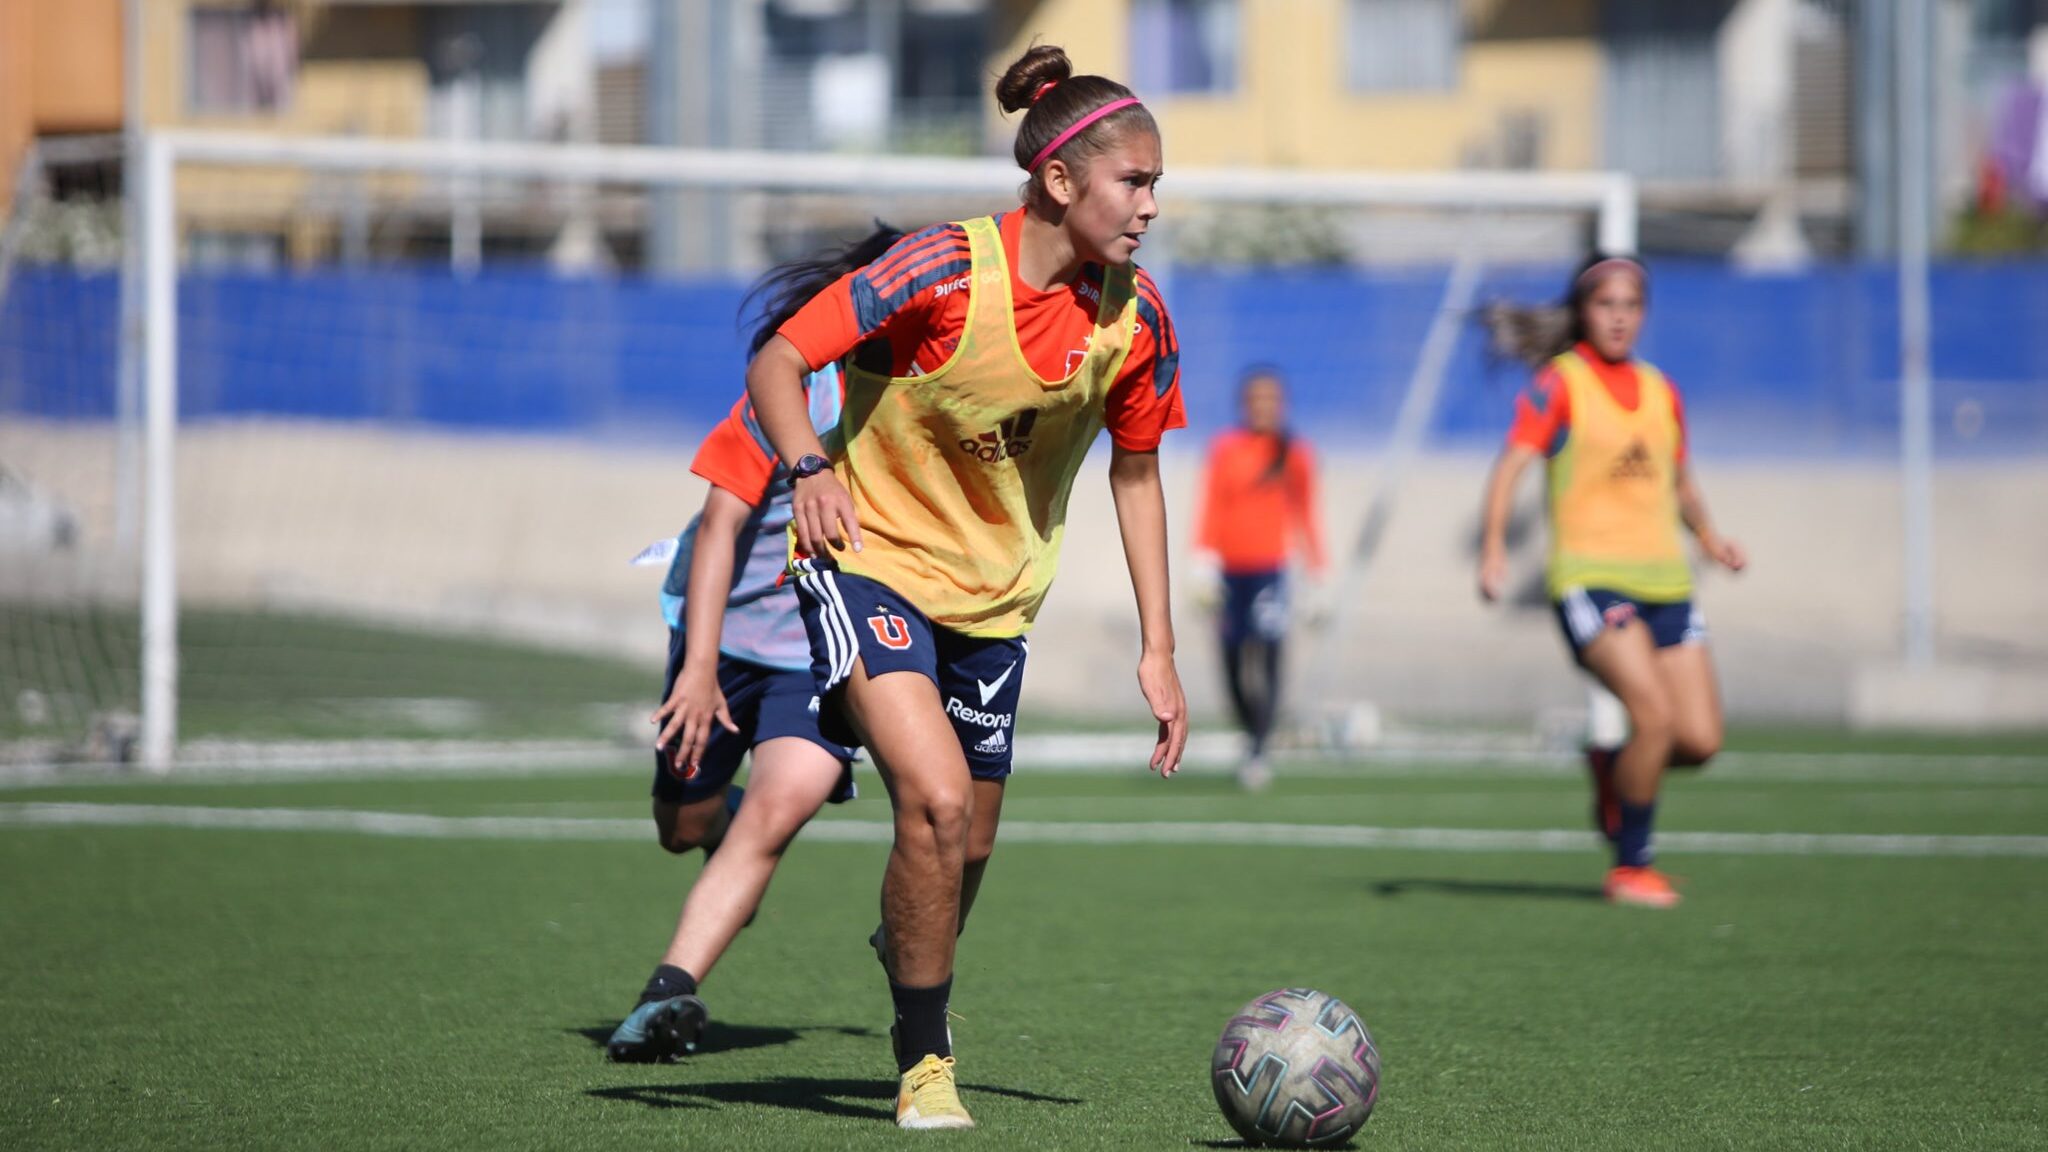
60	74
447	69
1378	84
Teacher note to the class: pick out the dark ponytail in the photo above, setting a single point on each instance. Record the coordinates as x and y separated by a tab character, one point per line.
1042	85
1534	334
786	288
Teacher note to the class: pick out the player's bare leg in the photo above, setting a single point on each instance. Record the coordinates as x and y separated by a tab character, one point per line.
902	722
667	1021
1624	658
790	780
981	845
686	827
1696	728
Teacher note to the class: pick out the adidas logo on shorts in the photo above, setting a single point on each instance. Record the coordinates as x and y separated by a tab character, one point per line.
995	743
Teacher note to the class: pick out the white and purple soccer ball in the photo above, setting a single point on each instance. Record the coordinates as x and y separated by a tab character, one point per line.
1296	1068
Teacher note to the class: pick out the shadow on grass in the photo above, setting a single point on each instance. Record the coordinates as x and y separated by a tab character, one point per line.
1514	888
724	1037
856	1099
1241	1143
1248	1144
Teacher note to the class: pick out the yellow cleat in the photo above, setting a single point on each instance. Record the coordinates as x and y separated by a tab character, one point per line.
928	1098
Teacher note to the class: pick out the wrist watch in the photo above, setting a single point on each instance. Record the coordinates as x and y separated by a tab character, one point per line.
808	465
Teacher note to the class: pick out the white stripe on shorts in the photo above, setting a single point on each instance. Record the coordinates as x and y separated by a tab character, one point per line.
844	643
1582	617
836	638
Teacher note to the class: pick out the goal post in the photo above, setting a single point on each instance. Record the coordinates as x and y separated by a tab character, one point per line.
1608	200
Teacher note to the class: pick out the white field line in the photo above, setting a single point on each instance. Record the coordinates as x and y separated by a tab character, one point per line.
1550	840
1081	753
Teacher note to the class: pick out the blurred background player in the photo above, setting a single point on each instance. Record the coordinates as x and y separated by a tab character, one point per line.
1611	430
925	546
1258	502
738	681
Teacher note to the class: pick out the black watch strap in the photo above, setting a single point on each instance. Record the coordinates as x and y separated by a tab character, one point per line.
809	464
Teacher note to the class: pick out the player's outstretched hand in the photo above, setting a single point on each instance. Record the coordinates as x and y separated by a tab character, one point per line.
1727	553
687	715
823	511
1493	574
1160	681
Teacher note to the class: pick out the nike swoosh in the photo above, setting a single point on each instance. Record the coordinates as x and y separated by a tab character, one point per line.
988	691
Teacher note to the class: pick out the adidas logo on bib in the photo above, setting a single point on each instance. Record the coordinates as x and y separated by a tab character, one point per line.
995	743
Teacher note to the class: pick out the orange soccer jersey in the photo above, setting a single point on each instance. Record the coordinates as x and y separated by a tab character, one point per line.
1254	502
1543	413
960	463
916	298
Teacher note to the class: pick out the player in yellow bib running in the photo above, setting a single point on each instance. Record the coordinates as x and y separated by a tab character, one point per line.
1611	430
927	526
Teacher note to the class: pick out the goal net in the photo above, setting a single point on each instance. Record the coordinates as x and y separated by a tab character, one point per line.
405	413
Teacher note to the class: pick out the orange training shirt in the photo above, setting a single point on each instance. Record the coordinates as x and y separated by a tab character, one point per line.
1250	510
1543	412
915	297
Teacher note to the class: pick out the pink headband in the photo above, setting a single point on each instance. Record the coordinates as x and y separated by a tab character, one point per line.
1077	128
1608	265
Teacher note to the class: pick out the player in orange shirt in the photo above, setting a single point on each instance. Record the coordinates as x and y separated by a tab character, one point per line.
1611	430
1258	500
928	524
738	686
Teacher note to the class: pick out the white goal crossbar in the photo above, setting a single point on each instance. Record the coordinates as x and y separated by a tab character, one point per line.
1610	197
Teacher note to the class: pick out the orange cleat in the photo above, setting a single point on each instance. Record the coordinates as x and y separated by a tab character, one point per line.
1642	887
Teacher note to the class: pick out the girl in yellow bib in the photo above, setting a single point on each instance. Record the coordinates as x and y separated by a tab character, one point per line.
1611	430
926	527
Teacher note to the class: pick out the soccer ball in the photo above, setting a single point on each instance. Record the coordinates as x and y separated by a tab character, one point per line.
1296	1068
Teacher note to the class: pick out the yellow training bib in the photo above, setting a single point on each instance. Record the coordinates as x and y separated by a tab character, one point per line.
960	478
1614	490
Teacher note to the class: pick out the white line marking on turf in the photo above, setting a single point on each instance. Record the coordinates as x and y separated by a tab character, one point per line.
414	825
1209	753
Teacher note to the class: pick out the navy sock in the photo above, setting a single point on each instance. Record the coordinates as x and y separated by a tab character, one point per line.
921	1023
667	983
1632	847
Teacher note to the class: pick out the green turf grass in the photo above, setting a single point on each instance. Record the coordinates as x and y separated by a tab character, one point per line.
206	989
260	676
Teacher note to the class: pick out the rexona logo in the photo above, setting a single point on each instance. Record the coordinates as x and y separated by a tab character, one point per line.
1634	464
1009	440
961	710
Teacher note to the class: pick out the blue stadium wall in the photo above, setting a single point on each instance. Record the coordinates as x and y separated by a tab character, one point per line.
1788	366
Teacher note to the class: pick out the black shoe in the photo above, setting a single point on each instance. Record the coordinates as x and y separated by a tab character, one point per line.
659	1031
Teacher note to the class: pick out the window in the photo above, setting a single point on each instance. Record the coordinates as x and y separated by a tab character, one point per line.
241	60
1184	45
1402	45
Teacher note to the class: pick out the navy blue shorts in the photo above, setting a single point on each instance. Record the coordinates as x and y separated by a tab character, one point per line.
766	703
1584	613
1254	607
979	678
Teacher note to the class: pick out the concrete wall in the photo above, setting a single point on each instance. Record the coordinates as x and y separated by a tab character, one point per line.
531	537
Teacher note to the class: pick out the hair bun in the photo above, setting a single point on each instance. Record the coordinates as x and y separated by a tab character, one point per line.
1023	82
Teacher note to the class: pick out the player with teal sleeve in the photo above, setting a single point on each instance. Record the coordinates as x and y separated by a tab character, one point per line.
738	685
